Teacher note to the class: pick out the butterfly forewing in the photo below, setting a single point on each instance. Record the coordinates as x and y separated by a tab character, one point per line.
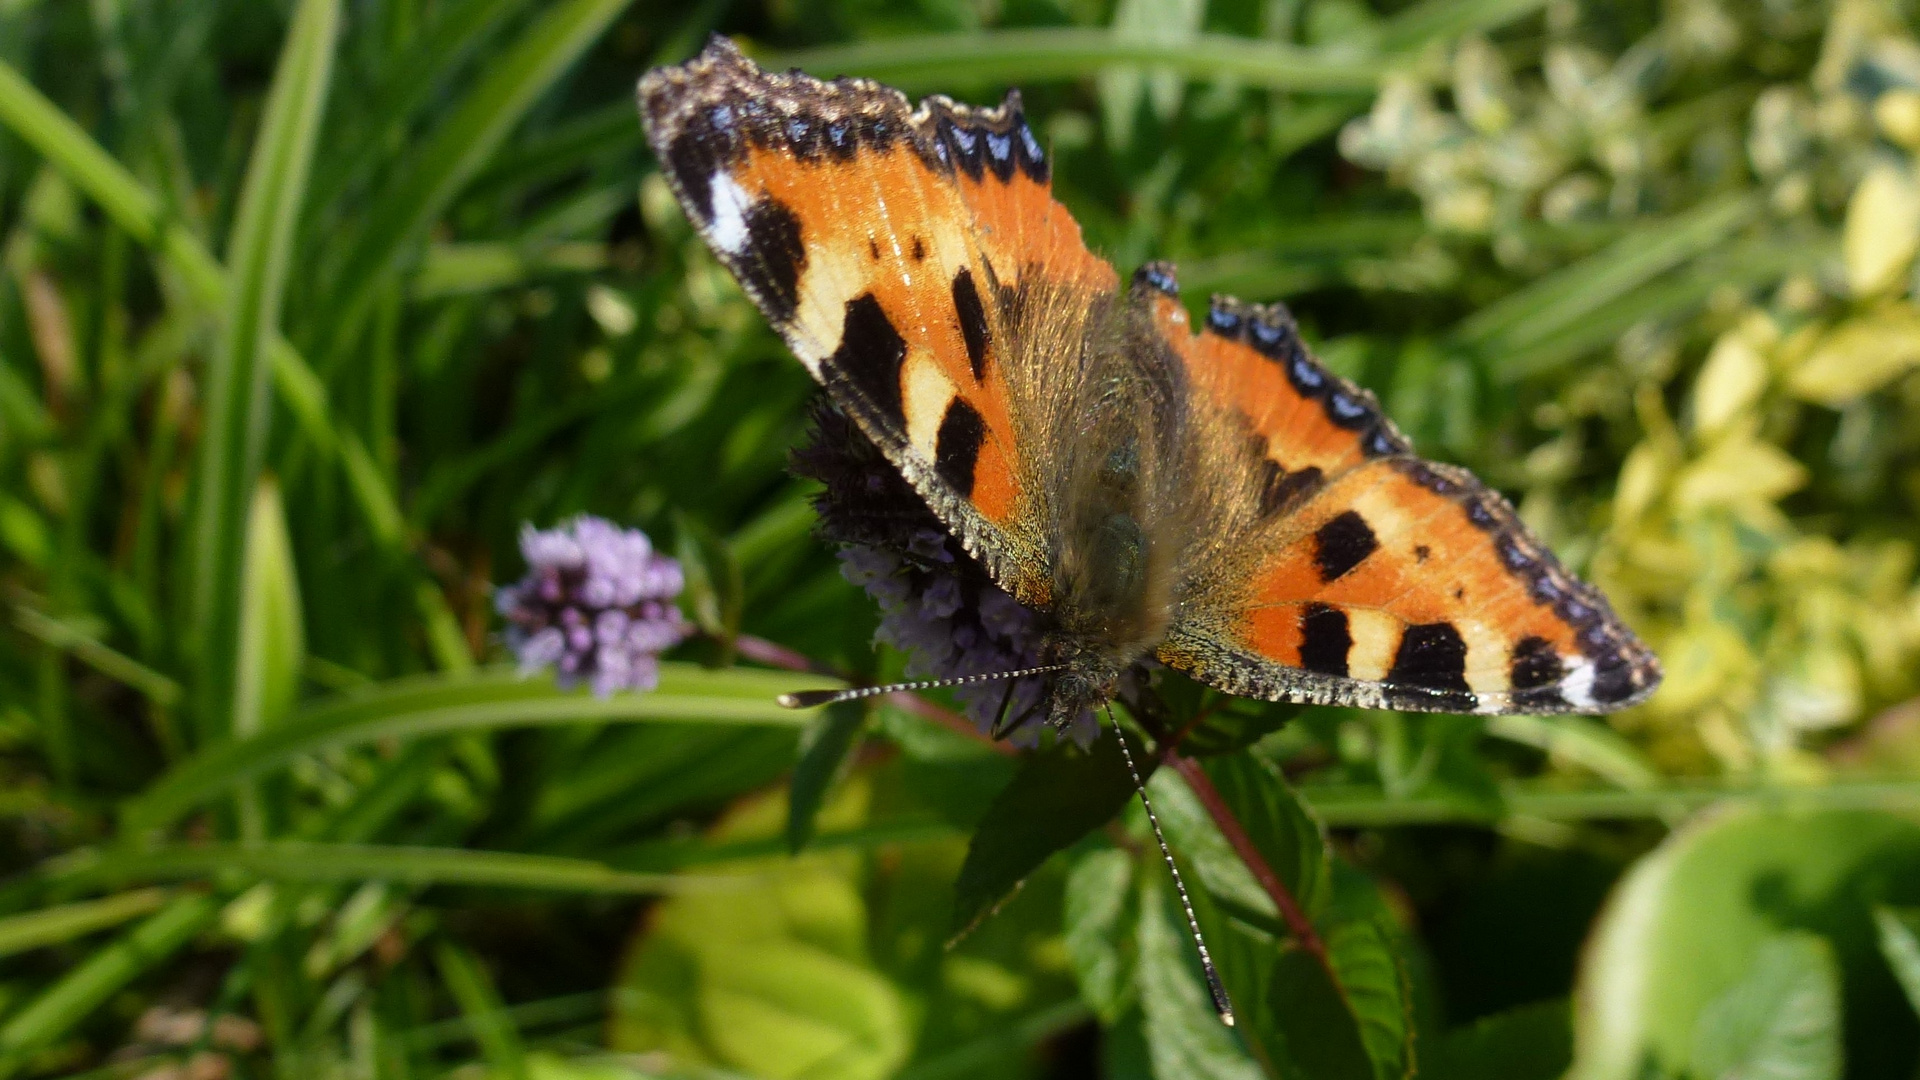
884	243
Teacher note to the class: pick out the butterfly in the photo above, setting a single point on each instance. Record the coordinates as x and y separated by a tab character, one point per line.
1210	497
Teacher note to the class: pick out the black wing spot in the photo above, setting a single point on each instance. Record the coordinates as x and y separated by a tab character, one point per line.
693	158
1431	656
956	449
1325	640
973	321
1343	543
1536	664
870	356
1615	679
1421	553
919	249
771	262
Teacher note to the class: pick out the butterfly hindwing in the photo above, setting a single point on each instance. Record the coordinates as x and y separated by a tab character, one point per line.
1372	578
884	243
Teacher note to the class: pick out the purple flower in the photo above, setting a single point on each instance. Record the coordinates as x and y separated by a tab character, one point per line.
936	604
596	606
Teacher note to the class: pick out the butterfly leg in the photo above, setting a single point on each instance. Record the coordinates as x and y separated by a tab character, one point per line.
1000	726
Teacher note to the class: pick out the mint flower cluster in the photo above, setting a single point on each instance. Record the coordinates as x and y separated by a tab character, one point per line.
596	605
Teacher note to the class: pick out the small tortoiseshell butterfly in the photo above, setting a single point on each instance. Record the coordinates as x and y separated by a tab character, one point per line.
1217	500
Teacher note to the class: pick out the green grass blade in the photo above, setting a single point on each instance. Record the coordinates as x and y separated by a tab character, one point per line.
1442	20
55	925
99	977
234	445
89	650
68	148
1031	56
411	708
480	1004
463	144
1568	295
318	863
464	269
1752	262
451	38
272	639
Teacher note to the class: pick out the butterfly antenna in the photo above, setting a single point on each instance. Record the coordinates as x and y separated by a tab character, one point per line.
1220	1003
807	699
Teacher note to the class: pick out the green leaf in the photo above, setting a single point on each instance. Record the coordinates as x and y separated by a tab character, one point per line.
716	590
408	708
1289	838
1900	945
1374	985
1781	1021
1533	1042
1235	726
824	747
233	445
55	925
272	638
462	144
1185	1037
1314	1032
292	860
1347	1017
1684	925
91	983
774	982
480	1005
1059	795
1098	919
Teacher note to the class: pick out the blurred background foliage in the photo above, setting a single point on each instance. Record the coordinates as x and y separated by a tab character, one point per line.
306	307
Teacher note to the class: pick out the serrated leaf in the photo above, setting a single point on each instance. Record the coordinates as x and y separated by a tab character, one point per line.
1317	1036
1288	836
1059	795
1098	924
824	746
1899	930
1185	1037
1781	1021
1375	988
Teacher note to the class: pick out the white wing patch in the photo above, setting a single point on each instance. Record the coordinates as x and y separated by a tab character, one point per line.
729	205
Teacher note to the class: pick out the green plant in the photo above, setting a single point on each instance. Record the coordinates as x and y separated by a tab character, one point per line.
308	306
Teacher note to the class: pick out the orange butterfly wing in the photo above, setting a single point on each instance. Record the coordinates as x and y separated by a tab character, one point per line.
1380	580
879	239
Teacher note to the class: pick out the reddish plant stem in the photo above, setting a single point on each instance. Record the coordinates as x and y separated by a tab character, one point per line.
1243	846
772	654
